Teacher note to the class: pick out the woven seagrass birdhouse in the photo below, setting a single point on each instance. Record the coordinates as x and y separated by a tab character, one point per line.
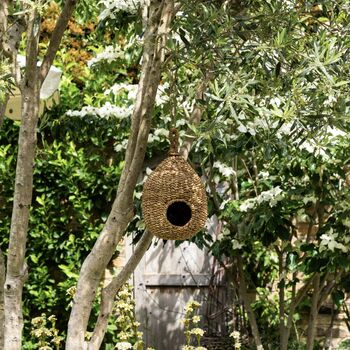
174	202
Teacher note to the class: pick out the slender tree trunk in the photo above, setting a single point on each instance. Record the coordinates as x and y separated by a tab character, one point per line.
281	302
16	266
3	30
287	324
110	291
311	332
2	315
3	110
16	272
244	295
160	16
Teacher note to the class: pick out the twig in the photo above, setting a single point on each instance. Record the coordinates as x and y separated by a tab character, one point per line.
110	291
56	38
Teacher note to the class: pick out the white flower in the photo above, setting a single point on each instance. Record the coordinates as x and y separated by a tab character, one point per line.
275	101
109	54
117	88
196	319
122	145
197	332
106	111
236	244
161	96
123	345
264	174
328	241
224	169
285	129
242	128
114	6
235	335
247	204
272	196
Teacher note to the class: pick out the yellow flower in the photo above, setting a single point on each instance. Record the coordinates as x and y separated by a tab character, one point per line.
196	319
235	335
197	332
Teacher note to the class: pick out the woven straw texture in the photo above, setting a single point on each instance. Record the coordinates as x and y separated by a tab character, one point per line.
174	181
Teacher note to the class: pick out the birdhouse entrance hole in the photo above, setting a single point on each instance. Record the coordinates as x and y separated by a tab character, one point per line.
179	213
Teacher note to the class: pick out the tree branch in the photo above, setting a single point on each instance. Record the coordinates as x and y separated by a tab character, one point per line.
311	332
196	116
16	273
56	38
4	12
327	289
10	37
3	106
110	291
244	295
161	14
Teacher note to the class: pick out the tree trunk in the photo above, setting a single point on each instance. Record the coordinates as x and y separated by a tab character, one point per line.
16	272
16	266
110	291
3	110
244	295
281	302
311	331
160	16
3	30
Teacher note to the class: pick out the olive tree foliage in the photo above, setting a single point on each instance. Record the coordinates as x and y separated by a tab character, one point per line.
158	18
273	145
274	148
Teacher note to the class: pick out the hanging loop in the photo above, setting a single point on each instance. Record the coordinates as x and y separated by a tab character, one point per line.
174	142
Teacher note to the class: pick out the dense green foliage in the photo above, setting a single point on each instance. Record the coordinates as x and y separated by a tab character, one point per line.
272	146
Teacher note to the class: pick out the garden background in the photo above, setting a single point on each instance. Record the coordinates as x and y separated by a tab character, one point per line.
259	91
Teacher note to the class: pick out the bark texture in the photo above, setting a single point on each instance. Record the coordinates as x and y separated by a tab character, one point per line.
3	105
160	16
311	332
110	291
244	295
16	272
56	38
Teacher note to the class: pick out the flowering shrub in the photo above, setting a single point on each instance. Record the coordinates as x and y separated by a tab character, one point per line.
128	336
235	335
111	7
191	321
45	332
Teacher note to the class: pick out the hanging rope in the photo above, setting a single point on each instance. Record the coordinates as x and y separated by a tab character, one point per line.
174	141
173	133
